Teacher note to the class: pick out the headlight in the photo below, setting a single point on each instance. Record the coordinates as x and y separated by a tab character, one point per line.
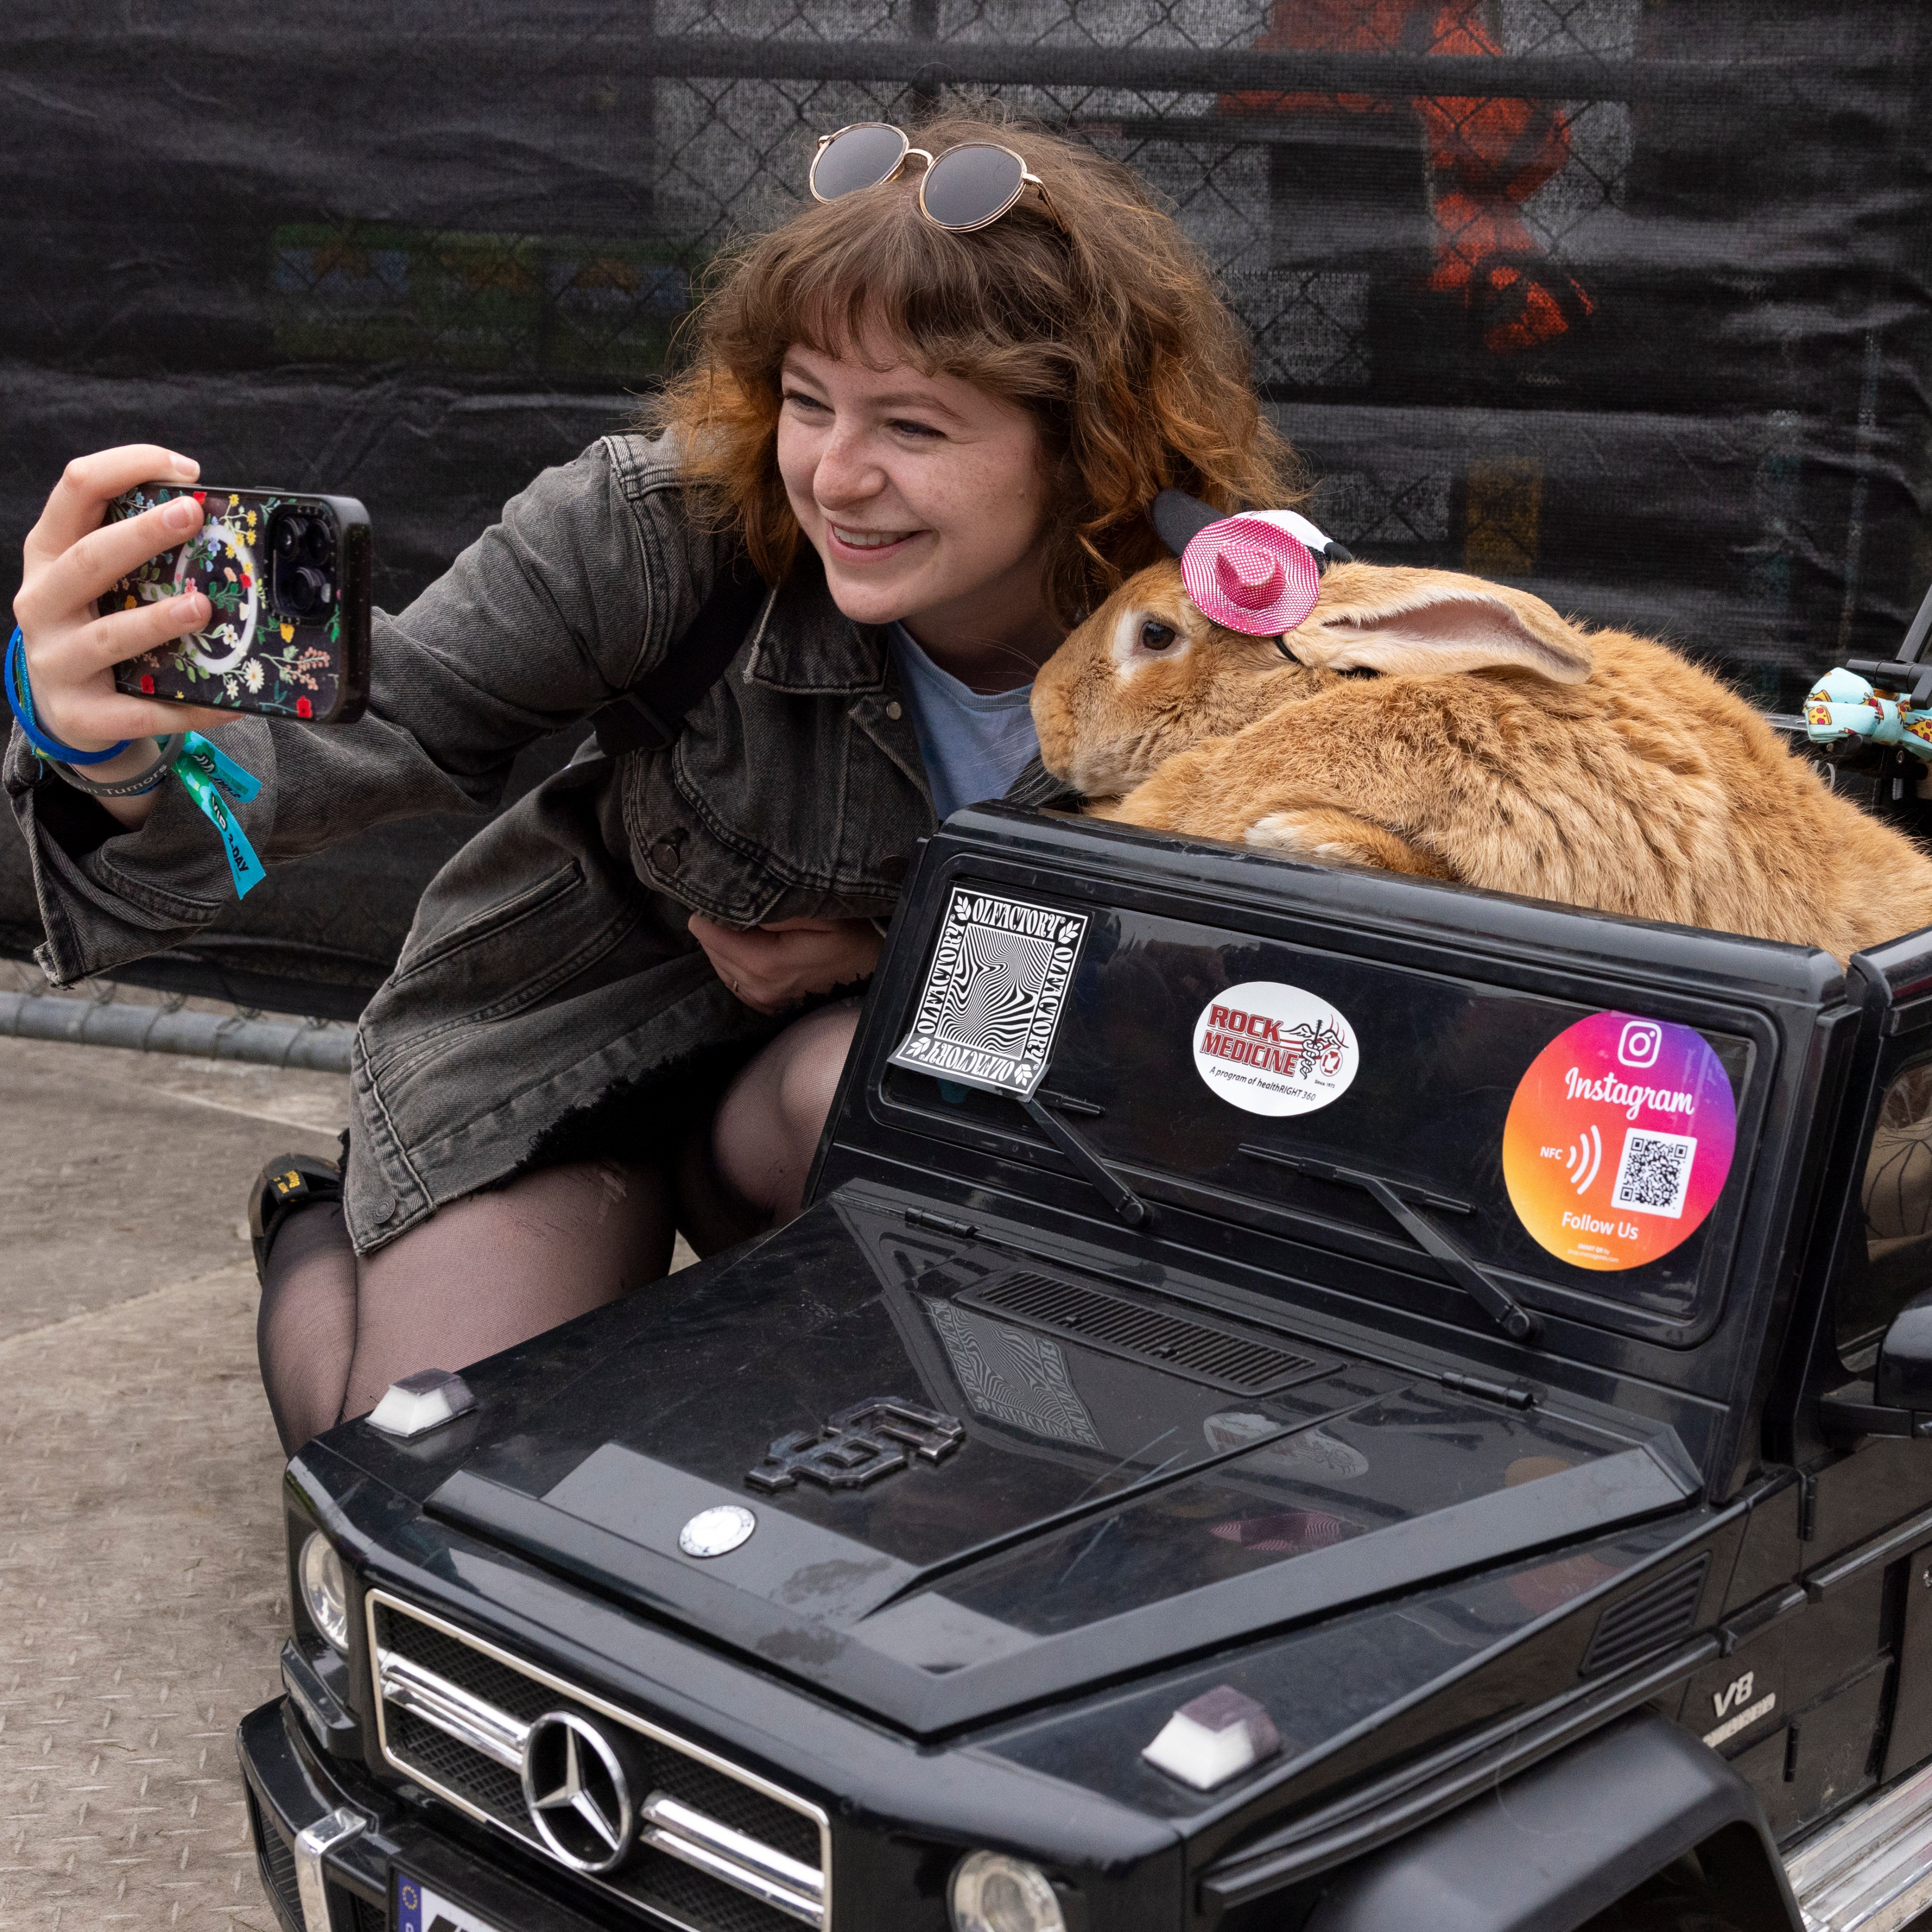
324	1590
993	1893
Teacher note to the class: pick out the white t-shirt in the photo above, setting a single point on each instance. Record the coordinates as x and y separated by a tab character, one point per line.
974	743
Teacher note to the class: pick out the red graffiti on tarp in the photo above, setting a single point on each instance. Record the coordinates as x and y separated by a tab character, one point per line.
1487	155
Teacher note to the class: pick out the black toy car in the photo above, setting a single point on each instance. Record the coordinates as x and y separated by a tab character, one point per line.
1304	1398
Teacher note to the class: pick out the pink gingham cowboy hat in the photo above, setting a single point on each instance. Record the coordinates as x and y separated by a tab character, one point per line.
1257	572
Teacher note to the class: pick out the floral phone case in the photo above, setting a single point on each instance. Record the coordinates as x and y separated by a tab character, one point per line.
288	575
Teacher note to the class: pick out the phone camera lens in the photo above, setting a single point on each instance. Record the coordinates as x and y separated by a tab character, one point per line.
305	591
301	575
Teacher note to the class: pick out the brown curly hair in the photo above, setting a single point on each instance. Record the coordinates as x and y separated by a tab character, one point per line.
1110	332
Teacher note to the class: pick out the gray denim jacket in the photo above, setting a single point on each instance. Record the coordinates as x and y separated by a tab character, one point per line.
548	987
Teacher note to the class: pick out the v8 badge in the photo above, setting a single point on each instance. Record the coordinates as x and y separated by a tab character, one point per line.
1737	1707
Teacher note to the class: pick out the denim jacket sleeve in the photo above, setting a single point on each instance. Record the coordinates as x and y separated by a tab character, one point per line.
583	585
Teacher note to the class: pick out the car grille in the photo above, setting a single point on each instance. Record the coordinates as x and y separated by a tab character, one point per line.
275	1859
719	1850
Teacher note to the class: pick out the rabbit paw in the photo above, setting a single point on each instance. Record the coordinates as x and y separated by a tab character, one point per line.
1334	838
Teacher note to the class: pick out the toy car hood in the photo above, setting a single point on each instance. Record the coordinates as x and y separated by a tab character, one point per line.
1065	1509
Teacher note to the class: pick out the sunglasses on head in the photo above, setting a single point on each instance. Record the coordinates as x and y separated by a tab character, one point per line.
964	188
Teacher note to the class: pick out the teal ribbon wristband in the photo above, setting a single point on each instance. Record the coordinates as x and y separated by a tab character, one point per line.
203	766
206	770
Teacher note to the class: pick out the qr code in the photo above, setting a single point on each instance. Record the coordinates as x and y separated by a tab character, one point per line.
1654	1175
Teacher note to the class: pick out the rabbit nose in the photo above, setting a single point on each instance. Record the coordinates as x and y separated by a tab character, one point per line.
1250	593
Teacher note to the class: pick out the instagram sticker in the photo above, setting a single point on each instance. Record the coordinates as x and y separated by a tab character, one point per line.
1619	1140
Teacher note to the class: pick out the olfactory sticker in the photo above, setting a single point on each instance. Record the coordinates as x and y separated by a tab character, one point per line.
994	994
1619	1140
1271	1049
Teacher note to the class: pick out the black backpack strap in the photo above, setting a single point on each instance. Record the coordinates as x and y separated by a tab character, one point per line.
646	718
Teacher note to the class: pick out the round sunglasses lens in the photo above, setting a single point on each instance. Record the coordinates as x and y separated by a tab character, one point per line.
859	158
968	185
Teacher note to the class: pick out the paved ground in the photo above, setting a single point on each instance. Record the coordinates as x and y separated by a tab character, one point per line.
141	1594
142	1606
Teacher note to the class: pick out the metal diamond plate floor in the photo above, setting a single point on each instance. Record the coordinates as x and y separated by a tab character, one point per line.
141	1591
141	1610
142	1594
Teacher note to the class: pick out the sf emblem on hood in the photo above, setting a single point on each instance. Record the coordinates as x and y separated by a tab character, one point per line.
578	1797
859	1445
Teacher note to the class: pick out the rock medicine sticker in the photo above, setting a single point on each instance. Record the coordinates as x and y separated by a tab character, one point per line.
993	998
1619	1141
1274	1049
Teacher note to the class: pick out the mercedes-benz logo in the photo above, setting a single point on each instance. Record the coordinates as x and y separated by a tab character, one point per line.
579	1798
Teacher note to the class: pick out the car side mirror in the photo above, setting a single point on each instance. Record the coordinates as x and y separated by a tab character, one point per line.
1904	1378
1901	1396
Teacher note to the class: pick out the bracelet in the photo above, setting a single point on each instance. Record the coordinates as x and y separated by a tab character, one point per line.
20	701
206	769
142	782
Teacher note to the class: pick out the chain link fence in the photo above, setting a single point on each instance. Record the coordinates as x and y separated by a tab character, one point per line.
1625	299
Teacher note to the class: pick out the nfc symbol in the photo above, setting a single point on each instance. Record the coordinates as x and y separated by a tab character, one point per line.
1641	1042
1586	1157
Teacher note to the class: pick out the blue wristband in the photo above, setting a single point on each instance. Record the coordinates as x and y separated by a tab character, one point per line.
20	702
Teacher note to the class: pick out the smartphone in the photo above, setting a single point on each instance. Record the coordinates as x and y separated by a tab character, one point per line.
288	576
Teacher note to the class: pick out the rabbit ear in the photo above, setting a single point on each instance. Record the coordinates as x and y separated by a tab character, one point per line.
1425	622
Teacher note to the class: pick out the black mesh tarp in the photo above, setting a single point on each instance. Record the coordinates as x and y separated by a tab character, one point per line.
1625	299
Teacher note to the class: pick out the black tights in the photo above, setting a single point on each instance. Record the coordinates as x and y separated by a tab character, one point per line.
492	1270
495	1269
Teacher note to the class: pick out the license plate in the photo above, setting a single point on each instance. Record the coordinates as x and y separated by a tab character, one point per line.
420	1908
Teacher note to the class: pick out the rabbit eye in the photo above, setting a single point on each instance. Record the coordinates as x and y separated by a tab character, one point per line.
1156	636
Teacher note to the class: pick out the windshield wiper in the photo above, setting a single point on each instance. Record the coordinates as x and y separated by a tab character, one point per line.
1118	1196
1393	1197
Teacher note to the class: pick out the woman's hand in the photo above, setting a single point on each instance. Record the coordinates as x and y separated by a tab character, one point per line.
771	968
72	555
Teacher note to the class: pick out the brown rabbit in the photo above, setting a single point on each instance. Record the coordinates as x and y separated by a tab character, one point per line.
1431	723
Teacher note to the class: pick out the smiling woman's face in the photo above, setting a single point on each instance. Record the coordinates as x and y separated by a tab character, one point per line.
925	497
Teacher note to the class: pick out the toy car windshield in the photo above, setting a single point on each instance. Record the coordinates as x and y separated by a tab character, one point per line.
1541	1148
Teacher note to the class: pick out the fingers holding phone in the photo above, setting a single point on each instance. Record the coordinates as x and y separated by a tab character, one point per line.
284	576
73	556
150	603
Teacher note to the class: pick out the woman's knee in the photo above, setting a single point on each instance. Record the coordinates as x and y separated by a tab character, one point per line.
492	1270
808	1080
767	1127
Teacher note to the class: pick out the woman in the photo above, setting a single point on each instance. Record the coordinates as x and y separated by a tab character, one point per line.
937	445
